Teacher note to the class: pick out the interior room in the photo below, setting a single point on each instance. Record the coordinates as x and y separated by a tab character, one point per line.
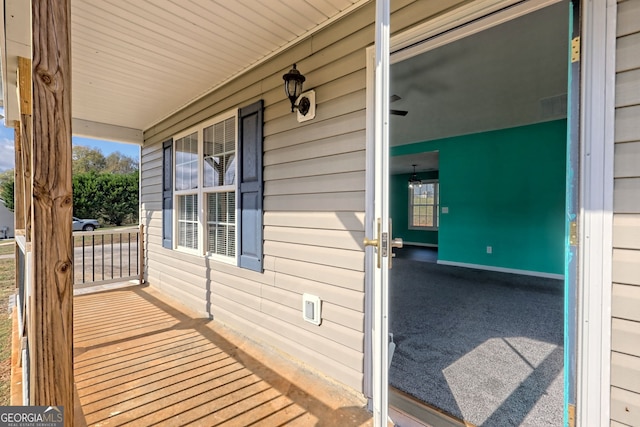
478	137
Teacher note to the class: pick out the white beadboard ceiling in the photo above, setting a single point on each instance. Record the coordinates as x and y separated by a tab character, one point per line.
136	62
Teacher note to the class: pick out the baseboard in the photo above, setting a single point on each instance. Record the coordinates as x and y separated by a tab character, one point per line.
426	245
503	270
423	414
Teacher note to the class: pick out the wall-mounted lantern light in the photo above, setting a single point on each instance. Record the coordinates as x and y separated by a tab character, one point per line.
293	81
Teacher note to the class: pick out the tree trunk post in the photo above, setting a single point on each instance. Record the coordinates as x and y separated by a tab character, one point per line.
51	336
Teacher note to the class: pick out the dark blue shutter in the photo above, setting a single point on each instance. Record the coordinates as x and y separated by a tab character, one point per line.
250	186
167	194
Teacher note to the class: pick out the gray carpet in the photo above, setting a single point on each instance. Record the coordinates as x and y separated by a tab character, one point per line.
483	346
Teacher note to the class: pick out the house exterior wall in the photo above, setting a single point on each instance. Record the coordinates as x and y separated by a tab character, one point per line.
314	201
314	205
7	219
625	341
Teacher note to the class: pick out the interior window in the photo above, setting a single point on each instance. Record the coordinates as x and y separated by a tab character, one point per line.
424	201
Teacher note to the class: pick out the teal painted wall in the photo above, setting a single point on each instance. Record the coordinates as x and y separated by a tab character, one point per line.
504	189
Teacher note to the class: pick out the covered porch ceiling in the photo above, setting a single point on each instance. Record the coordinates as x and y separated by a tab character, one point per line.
135	63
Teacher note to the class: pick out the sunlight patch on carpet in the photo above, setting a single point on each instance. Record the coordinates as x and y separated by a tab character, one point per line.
497	369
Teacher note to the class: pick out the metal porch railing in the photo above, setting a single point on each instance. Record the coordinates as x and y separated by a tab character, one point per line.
106	256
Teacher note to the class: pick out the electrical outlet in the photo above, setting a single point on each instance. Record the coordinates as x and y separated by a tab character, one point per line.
489	250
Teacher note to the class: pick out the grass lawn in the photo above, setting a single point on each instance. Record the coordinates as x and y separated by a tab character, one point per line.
7	247
7	287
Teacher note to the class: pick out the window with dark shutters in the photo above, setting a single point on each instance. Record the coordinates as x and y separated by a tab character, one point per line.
217	167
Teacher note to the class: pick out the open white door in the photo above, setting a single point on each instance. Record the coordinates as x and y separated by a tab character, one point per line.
379	239
379	235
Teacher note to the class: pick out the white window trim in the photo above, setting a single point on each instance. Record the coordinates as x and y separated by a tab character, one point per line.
436	207
201	191
177	193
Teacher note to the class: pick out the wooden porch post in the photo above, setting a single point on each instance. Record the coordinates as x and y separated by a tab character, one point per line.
51	336
26	141
18	186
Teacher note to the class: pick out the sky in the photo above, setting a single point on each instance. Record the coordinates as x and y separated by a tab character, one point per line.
7	153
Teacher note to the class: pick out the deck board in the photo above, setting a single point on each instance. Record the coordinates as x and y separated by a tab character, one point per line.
141	359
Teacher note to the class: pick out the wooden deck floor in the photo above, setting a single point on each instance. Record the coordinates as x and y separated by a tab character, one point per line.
141	361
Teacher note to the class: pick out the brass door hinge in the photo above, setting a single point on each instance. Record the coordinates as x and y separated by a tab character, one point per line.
572	416
573	233
575	49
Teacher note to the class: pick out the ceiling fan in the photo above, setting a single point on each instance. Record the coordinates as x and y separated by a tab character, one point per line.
394	98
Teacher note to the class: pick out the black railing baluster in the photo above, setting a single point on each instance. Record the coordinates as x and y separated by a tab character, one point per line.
83	268
106	242
93	258
102	240
120	254
112	256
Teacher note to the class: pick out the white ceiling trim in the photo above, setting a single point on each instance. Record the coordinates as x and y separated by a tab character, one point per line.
95	130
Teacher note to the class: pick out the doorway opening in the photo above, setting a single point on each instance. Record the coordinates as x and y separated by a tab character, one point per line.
479	332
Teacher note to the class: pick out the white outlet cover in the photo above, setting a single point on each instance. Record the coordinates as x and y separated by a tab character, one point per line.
311	309
445	210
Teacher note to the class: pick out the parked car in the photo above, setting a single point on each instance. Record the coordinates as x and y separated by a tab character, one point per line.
84	224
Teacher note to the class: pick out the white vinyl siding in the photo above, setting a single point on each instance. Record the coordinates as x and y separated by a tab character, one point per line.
314	202
625	308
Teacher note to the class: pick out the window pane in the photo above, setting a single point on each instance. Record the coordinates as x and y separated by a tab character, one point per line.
187	162
429	193
219	154
221	216
423	205
428	221
188	221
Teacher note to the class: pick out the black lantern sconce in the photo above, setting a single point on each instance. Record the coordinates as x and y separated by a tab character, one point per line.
293	81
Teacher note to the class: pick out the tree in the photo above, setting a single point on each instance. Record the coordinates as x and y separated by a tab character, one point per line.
86	159
6	189
117	162
111	198
104	188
